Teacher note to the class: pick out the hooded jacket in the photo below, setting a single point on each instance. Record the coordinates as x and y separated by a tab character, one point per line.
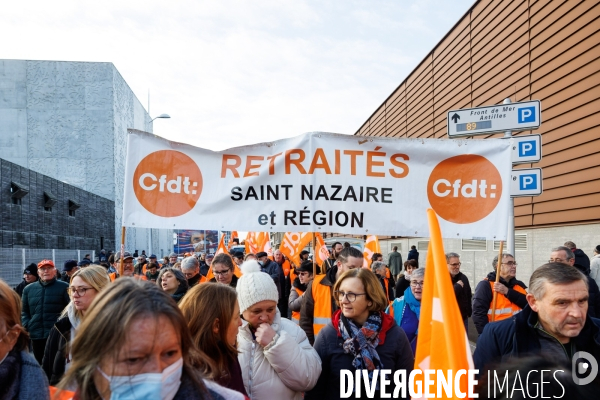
42	304
393	350
484	295
284	368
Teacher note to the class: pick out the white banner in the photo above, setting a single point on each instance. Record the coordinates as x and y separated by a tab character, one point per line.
321	182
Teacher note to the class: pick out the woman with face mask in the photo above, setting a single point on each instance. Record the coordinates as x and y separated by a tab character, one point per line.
213	316
134	343
407	309
359	337
404	279
276	357
84	286
20	374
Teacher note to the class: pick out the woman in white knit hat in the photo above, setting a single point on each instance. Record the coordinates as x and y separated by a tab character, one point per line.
276	357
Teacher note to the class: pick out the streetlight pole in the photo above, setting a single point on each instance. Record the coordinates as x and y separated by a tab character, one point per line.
162	116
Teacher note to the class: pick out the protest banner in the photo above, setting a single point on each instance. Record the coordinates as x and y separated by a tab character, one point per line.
321	182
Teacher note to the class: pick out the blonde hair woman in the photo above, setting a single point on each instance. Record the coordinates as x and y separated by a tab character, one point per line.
85	285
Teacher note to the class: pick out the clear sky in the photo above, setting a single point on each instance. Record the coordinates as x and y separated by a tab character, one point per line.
238	72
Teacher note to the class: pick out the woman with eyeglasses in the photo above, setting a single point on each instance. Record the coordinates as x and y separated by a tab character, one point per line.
20	374
360	336
85	285
223	270
304	276
406	309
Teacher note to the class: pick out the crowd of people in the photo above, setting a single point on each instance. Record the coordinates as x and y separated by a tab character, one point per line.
235	326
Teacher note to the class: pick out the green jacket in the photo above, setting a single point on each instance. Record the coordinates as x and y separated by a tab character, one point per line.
42	304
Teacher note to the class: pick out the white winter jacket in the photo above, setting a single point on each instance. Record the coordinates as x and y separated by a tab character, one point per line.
284	369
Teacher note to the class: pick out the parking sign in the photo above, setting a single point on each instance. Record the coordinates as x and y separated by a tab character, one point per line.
526	182
526	149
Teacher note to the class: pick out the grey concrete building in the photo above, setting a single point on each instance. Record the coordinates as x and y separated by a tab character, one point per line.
69	121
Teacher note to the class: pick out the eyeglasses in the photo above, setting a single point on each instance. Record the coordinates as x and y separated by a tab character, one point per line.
45	269
455	264
304	273
79	291
349	295
416	284
510	263
221	273
557	260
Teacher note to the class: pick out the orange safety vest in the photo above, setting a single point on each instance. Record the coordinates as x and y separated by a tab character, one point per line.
112	276
286	267
296	314
322	300
504	307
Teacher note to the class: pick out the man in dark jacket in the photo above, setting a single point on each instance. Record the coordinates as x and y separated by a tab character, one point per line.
462	288
511	293
564	255
30	275
413	254
553	324
581	258
271	268
69	269
43	301
349	258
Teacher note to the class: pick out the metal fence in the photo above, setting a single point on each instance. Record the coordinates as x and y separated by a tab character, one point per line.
14	261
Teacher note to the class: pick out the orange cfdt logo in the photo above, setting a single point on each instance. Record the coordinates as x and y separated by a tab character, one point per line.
167	183
464	189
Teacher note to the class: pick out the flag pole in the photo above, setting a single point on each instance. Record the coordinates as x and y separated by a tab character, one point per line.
495	298
314	238
122	251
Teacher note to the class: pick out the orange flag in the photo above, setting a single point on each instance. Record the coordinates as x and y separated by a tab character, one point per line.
371	247
56	394
321	252
293	243
222	248
234	235
440	320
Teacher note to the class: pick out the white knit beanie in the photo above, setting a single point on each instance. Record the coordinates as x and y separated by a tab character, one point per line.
254	286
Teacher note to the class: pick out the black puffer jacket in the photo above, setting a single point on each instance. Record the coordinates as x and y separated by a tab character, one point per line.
593	290
463	294
55	354
42	304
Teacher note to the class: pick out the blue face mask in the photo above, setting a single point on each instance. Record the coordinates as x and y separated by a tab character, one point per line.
147	386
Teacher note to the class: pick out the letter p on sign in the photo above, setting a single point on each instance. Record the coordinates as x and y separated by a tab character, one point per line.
526	114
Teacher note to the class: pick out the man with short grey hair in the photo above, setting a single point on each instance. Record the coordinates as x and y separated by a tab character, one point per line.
564	255
553	323
510	298
462	287
382	273
172	260
191	269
